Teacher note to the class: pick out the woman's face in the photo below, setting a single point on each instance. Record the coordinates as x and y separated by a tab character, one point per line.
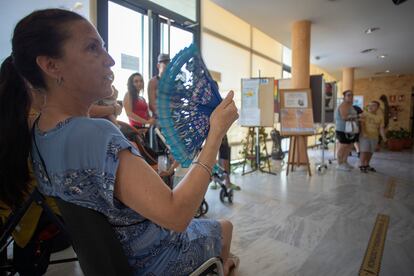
85	65
349	97
138	83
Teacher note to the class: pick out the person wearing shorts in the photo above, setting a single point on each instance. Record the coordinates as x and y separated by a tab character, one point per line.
344	112
372	127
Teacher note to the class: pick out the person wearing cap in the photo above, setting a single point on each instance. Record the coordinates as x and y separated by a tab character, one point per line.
163	60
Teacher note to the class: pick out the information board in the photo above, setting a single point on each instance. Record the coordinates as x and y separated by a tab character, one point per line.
296	113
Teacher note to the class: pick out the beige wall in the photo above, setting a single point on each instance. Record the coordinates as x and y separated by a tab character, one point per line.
315	70
373	88
235	49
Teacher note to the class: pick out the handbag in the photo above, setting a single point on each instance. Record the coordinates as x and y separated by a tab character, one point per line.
351	127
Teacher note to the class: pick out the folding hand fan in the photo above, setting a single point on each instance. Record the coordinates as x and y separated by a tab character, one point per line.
187	95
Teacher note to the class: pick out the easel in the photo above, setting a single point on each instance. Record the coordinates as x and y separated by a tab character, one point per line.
294	153
255	136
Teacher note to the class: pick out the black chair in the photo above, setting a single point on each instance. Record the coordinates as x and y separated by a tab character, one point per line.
6	238
99	251
93	239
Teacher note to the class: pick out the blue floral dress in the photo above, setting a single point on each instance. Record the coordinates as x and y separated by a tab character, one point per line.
81	157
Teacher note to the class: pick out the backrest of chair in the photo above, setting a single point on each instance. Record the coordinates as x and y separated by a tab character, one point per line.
94	241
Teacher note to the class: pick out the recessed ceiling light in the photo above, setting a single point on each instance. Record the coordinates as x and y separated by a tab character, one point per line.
370	50
382	56
371	30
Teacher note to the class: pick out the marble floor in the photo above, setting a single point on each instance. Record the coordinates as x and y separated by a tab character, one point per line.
319	225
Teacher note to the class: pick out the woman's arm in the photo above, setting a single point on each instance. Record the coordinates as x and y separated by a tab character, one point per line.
140	188
343	111
99	111
131	115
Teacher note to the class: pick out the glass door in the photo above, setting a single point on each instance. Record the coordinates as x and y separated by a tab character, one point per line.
173	39
128	45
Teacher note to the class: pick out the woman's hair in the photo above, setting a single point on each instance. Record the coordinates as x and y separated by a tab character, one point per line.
133	92
42	33
346	92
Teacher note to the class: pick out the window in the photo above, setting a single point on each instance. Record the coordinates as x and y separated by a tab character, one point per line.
128	46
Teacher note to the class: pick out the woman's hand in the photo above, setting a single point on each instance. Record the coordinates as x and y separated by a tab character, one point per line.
151	121
223	116
117	109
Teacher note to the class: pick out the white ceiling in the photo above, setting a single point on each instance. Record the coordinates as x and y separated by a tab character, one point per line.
337	35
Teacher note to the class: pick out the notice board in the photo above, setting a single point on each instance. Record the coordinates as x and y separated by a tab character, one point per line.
257	102
296	115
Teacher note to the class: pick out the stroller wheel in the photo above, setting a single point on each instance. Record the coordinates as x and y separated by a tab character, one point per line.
230	195
226	193
222	194
204	207
202	210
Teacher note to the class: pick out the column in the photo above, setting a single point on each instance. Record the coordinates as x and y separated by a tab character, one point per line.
301	34
347	79
301	54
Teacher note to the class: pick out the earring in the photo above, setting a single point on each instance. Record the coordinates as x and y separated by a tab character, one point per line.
59	81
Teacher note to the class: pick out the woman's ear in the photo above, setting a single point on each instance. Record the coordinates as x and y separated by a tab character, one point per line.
49	66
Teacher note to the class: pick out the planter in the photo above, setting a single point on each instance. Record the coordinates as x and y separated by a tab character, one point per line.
395	144
407	143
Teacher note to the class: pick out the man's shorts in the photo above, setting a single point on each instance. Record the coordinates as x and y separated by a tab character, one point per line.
367	144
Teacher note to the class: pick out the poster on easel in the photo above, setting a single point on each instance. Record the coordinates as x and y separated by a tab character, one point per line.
257	102
296	113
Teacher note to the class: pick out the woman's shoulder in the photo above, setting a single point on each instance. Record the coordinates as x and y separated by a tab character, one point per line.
90	127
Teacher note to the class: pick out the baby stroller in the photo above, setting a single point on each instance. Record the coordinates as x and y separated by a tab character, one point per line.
203	209
137	136
219	177
277	152
329	137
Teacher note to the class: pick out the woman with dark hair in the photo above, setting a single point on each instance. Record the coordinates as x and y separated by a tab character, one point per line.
88	161
135	105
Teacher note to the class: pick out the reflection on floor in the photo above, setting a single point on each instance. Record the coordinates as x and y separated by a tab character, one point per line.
319	225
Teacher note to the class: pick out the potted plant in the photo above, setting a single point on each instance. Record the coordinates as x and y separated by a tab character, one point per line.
395	142
407	141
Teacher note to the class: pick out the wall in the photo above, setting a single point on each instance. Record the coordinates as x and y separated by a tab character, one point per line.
315	70
235	49
373	88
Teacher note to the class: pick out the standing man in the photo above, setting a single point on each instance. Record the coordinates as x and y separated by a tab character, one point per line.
163	60
372	126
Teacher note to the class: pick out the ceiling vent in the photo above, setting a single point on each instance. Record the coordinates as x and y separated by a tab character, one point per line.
370	50
397	2
371	30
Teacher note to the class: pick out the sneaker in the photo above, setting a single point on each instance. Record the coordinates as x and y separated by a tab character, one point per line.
214	186
371	169
363	169
349	166
342	167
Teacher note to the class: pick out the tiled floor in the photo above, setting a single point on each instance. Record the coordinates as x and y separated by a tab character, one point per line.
319	225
